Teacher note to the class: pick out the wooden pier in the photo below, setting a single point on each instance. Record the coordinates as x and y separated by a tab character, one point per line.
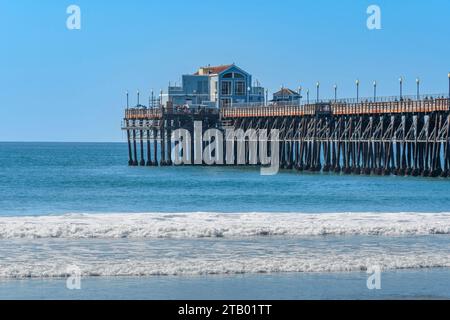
400	136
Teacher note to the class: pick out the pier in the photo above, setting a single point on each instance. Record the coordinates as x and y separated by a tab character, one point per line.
379	136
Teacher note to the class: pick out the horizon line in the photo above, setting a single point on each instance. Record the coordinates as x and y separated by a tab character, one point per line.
49	141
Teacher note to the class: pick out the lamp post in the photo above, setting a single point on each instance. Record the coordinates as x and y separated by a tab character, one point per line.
307	96
153	98
418	88
160	98
357	91
267	97
335	93
401	88
248	94
449	85
448	101
374	91
318	90
128	100
195	96
138	104
299	95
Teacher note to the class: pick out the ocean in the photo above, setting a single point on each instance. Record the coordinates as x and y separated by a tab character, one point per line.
212	232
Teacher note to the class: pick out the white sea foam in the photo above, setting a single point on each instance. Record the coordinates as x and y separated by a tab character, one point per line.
58	267
214	225
212	243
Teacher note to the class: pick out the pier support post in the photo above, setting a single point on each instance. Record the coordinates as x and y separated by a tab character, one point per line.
155	147
337	168
149	151
135	162
318	161
162	131
130	152
141	136
301	147
327	157
169	146
445	172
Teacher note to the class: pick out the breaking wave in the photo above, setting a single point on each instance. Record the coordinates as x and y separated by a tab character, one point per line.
215	225
53	268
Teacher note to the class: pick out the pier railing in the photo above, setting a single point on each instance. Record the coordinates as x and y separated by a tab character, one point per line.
143	113
341	108
158	112
386	105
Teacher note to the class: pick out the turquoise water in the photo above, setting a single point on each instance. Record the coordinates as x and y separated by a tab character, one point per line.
40	179
178	229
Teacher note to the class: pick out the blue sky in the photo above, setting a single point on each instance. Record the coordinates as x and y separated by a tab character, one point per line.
62	85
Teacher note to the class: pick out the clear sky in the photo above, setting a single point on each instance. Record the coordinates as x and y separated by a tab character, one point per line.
68	85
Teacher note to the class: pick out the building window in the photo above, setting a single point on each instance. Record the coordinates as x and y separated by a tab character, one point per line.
233	75
226	102
226	88
240	88
202	87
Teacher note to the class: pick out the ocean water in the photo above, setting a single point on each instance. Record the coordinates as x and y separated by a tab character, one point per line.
178	229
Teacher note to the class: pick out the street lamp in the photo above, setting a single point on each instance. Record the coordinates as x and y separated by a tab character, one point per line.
128	100
318	88
357	91
418	88
374	91
299	95
307	96
449	85
248	94
401	88
138	104
448	102
335	93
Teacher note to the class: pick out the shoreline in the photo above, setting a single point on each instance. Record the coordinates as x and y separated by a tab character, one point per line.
400	284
